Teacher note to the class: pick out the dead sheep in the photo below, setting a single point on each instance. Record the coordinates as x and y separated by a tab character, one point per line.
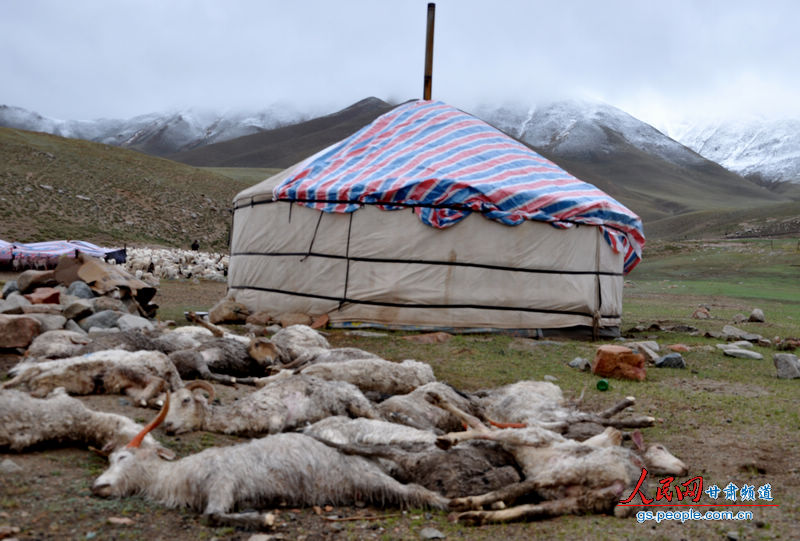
283	405
224	360
410	455
413	409
26	421
375	375
142	375
290	468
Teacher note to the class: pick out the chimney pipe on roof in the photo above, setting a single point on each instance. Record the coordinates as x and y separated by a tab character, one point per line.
426	92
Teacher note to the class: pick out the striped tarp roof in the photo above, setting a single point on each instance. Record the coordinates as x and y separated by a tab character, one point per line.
446	164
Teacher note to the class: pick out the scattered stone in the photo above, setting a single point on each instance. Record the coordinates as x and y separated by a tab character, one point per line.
44	295
743	353
130	322
14	304
618	362
320	322
18	331
367	334
580	363
261	319
49	322
549	378
101	304
787	365
121	521
430	533
79	309
756	316
80	289
105	319
734	333
293	318
31	279
701	313
672	360
429	338
739	318
9	466
9	288
680	348
72	325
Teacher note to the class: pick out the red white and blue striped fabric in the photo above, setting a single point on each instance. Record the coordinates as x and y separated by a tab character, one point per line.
446	164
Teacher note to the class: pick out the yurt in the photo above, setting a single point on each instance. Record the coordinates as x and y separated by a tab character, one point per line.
430	219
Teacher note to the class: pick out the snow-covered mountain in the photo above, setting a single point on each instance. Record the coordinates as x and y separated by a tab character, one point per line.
160	134
573	128
769	149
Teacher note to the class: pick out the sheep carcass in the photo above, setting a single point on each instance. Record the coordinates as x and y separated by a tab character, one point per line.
413	409
280	406
570	476
142	375
375	374
26	421
411	456
287	467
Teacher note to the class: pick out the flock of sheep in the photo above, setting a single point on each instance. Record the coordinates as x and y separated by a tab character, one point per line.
152	264
330	426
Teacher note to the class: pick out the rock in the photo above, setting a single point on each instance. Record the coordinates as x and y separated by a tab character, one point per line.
14	304
680	348
31	279
743	353
18	331
787	365
49	322
9	466
739	318
80	289
757	316
72	325
229	311
430	533
701	313
261	319
9	288
130	322
293	318
549	378
429	338
44	295
101	304
53	309
580	363
649	354
672	360
78	310
734	333
103	320
618	362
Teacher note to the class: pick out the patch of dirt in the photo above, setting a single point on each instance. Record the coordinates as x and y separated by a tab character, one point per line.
721	387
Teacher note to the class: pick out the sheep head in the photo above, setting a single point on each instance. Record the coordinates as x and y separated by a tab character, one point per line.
129	466
188	409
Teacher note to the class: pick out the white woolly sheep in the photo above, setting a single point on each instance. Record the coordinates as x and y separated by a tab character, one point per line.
375	374
26	421
287	467
283	405
142	375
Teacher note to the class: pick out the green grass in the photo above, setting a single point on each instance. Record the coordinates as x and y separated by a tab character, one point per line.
247	175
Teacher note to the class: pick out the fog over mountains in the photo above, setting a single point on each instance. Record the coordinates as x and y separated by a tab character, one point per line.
572	130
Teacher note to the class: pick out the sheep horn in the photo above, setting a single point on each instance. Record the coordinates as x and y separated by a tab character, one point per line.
201	384
137	439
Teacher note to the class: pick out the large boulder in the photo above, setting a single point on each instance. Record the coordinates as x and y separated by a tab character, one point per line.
787	365
18	331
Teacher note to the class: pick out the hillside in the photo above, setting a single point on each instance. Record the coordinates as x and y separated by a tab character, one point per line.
55	188
288	145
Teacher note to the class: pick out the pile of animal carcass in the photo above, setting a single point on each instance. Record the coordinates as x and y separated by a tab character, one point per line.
330	426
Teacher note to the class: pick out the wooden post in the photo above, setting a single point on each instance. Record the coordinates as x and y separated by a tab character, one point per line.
426	91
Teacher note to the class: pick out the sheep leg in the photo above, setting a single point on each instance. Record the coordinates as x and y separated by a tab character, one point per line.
592	501
506	494
251	520
470	420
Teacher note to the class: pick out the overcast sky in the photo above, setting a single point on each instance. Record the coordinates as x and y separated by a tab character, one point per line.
661	61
